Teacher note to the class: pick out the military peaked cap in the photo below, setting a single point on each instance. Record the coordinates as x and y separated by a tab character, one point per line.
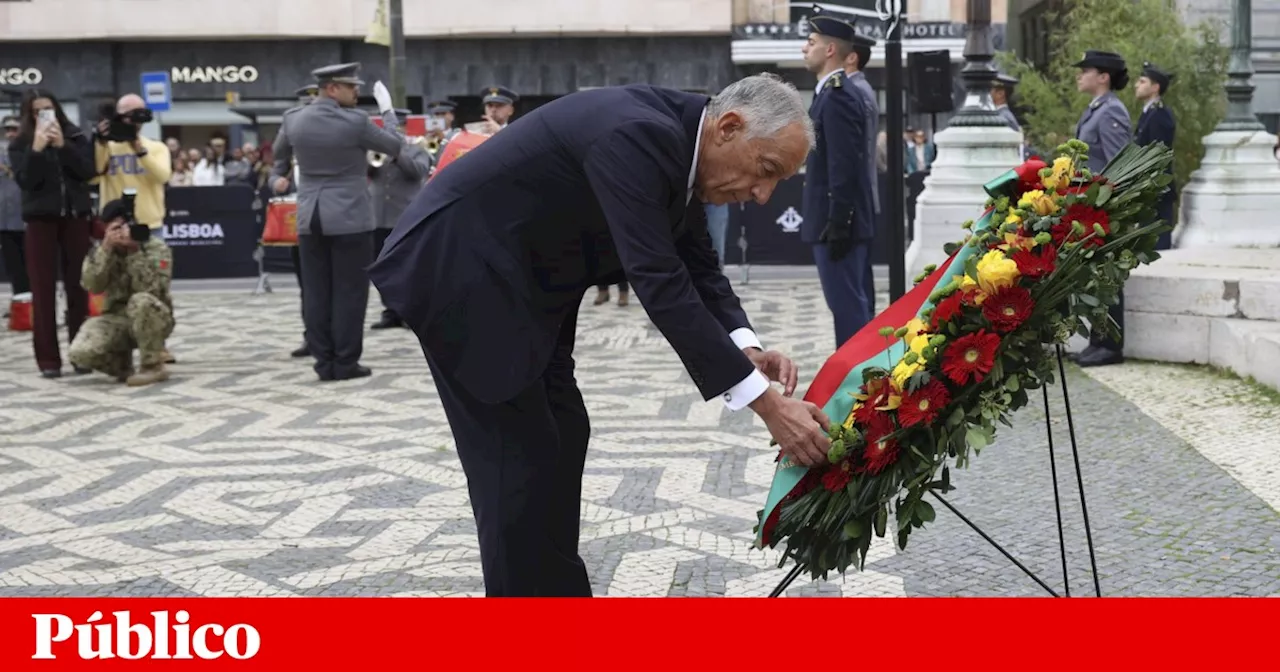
441	107
1004	81
308	90
1156	75
342	73
1102	60
499	94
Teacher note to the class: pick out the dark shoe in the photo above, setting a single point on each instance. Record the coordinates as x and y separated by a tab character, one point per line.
352	373
80	370
1099	356
388	321
602	296
623	298
302	351
51	373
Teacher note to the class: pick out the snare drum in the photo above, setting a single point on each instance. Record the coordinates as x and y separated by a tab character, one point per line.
282	222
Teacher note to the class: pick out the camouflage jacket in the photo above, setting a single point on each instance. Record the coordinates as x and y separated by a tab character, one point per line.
122	275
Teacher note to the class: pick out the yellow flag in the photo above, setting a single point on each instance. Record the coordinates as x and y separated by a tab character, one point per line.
380	28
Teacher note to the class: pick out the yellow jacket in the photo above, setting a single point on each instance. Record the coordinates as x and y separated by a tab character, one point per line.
121	168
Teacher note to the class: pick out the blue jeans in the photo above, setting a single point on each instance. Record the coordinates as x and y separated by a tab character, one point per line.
717	226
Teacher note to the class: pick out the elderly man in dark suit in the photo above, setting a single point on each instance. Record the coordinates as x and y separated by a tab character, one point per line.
490	263
331	140
841	198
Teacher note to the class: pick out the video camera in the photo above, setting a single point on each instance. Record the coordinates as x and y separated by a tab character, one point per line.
123	127
140	233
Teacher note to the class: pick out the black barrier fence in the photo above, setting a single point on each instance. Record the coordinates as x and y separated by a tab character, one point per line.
214	231
773	229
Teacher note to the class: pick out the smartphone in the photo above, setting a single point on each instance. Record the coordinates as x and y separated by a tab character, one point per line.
45	118
435	124
140	233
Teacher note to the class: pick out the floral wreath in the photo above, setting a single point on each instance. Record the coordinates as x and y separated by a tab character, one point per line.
1046	260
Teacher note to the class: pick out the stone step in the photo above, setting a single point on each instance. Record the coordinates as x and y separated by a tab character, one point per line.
1210	283
1246	347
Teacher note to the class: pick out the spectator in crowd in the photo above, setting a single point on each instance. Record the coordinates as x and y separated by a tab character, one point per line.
134	162
52	161
12	229
138	311
218	168
194	157
181	172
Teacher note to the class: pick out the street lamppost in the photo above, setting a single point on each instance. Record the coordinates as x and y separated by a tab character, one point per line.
979	72
395	22
892	12
1239	86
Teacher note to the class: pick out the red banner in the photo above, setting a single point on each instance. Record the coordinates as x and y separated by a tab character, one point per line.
688	634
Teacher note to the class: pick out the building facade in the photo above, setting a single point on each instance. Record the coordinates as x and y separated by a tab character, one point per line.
768	36
239	69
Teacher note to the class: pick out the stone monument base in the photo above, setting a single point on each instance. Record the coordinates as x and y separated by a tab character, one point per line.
968	157
1233	199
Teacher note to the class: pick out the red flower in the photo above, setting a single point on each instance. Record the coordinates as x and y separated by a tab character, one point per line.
1008	308
878	391
970	357
1087	215
1033	265
879	451
945	310
923	405
838	476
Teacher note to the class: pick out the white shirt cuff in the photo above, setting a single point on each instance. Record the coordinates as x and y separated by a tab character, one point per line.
745	338
745	392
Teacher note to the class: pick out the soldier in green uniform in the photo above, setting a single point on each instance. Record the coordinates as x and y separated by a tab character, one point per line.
138	310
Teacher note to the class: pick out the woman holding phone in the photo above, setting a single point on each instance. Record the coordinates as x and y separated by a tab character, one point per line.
52	161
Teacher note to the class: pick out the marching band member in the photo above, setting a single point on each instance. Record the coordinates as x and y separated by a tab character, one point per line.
393	182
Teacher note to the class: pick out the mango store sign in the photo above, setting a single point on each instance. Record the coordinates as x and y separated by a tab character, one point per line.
20	76
214	74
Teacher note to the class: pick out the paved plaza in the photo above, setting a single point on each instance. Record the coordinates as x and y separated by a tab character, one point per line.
244	476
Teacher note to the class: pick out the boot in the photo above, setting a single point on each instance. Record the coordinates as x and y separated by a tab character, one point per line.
154	373
623	298
602	297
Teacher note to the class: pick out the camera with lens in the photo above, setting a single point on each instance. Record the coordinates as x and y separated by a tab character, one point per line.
123	127
140	233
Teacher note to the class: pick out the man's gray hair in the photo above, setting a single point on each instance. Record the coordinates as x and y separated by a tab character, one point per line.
767	105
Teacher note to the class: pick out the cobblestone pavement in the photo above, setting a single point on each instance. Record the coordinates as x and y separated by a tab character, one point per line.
242	475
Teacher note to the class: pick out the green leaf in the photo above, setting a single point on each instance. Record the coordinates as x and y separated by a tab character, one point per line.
1012	384
853	529
1088	299
976	438
1104	195
882	520
902	538
924	511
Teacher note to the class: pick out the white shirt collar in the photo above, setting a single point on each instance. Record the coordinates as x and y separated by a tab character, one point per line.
697	147
823	80
1149	103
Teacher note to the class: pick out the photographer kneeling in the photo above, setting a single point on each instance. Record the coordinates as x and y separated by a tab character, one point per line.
133	269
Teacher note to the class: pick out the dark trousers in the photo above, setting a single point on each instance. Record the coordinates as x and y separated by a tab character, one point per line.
622	287
296	257
13	247
379	240
849	286
333	271
523	459
53	244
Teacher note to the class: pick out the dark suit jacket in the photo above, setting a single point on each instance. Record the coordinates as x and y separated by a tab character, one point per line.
1155	125
840	192
499	248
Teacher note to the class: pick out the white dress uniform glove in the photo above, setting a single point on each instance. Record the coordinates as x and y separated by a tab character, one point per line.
383	96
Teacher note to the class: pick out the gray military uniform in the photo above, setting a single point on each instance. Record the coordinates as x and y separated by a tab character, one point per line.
1007	115
1104	126
395	183
331	144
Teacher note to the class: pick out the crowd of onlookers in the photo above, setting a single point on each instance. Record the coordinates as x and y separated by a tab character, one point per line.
216	165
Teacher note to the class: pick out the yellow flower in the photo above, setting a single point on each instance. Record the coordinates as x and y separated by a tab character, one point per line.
901	373
1016	241
1042	203
915	326
1012	218
969	284
1061	175
918	344
996	271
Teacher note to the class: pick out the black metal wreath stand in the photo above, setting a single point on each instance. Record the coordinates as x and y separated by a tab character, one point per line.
1057	505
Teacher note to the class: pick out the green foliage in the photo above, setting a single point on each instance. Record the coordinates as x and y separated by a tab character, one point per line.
1138	30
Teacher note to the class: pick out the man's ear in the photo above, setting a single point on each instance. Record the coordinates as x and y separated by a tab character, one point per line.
728	126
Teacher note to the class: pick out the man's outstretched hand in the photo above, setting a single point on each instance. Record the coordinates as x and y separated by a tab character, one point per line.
776	367
799	427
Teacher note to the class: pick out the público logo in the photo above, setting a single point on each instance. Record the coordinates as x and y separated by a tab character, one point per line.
166	637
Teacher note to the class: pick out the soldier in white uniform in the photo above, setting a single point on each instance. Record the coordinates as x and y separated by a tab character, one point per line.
331	140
